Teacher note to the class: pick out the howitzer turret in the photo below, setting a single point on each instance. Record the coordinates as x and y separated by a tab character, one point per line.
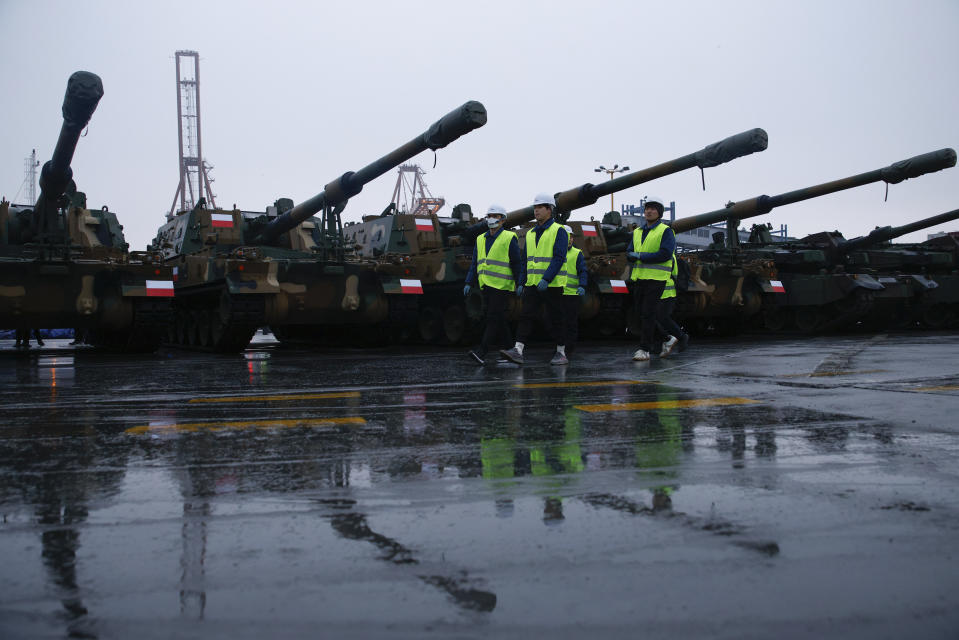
84	90
453	125
718	153
884	234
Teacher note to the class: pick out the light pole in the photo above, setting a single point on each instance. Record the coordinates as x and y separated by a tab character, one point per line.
616	169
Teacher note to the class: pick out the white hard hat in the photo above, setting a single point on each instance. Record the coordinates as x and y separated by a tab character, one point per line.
569	229
656	200
495	209
544	198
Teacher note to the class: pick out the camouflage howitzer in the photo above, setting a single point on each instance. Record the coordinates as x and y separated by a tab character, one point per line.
236	270
64	265
791	281
920	284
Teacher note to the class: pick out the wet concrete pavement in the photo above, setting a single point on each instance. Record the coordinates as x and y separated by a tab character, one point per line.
756	487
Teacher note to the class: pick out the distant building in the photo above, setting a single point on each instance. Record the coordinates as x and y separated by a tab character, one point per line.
941	234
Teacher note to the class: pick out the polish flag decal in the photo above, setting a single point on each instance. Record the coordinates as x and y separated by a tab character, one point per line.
424	224
619	286
160	288
411	286
176	273
222	220
589	232
777	286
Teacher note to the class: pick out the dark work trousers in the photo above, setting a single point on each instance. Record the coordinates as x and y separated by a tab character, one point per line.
665	324
533	301
646	297
571	316
497	331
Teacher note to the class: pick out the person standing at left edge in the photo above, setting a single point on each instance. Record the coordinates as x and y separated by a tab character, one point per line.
651	253
498	270
546	245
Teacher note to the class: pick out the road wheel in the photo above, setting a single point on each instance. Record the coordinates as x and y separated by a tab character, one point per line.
454	324
808	319
431	325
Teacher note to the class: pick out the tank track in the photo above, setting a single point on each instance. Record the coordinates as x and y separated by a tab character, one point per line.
151	319
214	320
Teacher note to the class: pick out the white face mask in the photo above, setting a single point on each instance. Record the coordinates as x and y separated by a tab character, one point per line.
492	223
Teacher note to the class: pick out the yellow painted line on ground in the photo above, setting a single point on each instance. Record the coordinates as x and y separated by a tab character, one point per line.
602	383
946	388
302	396
665	404
245	424
829	374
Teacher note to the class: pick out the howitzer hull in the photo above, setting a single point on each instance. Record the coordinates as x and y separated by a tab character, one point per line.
122	305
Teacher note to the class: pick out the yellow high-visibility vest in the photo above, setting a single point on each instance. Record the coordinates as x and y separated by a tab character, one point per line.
540	254
646	270
492	269
670	290
569	271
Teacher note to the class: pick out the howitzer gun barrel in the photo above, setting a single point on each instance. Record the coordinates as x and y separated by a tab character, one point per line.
893	174
737	146
888	233
458	122
84	90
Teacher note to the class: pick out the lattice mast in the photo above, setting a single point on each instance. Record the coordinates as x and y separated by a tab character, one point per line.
30	164
411	195
194	170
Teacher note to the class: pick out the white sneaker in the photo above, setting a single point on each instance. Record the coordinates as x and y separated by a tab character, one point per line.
641	355
668	346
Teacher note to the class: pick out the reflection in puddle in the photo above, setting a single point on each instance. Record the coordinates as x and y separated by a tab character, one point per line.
461	589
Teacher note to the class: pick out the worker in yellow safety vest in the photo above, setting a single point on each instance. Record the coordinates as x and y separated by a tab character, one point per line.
497	269
574	291
545	250
650	252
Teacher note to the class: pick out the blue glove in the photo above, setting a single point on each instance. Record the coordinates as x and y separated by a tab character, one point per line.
541	285
466	290
633	255
519	290
580	291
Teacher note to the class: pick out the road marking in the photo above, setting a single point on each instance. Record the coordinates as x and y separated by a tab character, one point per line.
665	404
245	424
602	383
302	396
828	374
945	388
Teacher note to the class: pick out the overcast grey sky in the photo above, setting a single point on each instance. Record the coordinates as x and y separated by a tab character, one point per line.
293	94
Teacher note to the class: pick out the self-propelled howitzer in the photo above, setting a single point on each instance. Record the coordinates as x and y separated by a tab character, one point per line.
63	265
791	283
238	270
921	283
